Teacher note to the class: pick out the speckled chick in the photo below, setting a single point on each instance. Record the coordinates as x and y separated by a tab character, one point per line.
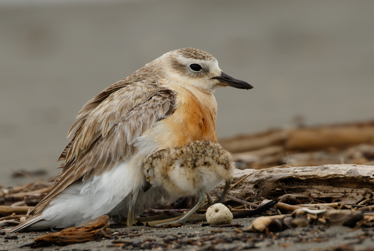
183	171
193	169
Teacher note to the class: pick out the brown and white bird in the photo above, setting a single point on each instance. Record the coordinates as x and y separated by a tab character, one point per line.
192	169
168	103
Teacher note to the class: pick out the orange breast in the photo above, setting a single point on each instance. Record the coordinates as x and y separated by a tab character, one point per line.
194	119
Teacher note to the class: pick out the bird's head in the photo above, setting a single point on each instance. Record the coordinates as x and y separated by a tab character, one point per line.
189	66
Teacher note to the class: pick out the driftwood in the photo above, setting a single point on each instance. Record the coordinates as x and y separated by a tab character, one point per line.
310	139
348	184
243	143
332	144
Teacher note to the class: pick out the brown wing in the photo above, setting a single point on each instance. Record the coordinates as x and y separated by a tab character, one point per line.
106	129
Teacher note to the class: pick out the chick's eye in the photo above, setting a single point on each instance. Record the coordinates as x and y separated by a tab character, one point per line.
196	67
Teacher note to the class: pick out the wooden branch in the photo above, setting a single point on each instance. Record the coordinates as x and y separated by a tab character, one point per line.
10	190
348	184
251	156
253	142
21	195
286	207
241	201
322	138
305	146
8	210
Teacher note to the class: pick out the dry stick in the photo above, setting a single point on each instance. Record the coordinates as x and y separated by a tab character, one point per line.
287	207
333	205
19	203
238	182
311	139
27	187
241	201
253	142
10	190
154	210
267	161
267	151
12	217
237	209
8	210
8	222
21	196
367	208
258	210
363	202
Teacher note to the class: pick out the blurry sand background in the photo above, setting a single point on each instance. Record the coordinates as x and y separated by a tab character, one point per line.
313	59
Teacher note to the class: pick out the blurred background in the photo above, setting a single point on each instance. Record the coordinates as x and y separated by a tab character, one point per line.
309	61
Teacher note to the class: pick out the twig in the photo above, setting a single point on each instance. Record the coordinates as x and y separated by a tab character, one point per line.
238	182
367	208
253	142
287	207
8	222
8	210
258	210
21	195
324	205
241	201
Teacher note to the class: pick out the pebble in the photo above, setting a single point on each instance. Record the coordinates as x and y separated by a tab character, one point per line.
218	214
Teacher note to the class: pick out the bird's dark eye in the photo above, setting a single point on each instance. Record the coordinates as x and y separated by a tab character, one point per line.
196	67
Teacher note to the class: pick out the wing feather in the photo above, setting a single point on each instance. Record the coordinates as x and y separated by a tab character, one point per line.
106	129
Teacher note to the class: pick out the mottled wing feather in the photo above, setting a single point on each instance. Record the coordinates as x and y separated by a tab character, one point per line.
107	134
87	109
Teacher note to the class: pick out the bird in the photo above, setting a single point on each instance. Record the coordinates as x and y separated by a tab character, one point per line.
167	103
189	170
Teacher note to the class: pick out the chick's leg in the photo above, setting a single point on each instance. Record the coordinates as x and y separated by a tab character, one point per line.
130	214
202	198
210	200
221	199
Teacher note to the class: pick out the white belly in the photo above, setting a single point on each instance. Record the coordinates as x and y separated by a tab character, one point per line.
84	201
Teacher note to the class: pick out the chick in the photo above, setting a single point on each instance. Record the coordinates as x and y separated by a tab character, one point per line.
193	169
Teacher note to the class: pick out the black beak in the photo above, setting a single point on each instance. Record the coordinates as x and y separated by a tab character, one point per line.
146	186
228	80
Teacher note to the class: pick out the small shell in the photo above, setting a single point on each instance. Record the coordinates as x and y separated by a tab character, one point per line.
218	214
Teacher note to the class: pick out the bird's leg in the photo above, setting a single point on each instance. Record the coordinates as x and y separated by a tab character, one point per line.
210	200
202	198
221	199
130	213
